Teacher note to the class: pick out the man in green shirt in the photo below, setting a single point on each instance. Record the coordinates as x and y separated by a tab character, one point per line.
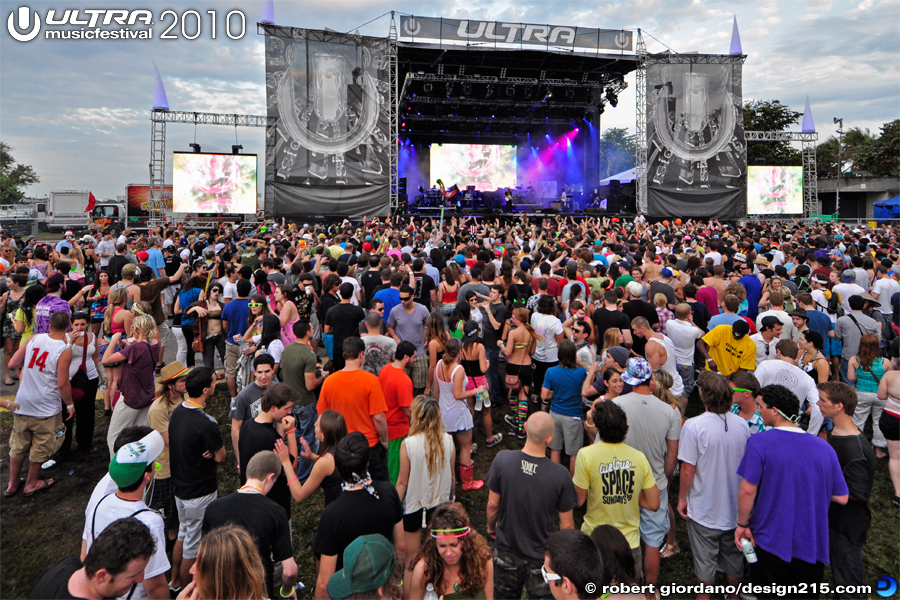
298	367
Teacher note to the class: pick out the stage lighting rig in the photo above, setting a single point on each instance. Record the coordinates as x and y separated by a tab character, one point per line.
612	98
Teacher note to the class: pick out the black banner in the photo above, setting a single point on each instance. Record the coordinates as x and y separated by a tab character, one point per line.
331	96
696	156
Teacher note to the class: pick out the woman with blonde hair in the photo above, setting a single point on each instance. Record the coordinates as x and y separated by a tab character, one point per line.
130	274
426	477
612	338
136	383
117	320
518	348
455	559
451	381
866	369
228	567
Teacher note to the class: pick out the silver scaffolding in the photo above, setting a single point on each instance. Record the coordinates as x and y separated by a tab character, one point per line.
808	141
158	120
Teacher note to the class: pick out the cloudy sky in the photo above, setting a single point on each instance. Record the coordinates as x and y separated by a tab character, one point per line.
78	111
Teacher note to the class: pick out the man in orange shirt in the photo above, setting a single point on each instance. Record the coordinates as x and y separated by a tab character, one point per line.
357	396
398	395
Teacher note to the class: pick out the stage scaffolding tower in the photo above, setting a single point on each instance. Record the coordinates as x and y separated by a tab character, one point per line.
159	118
394	107
808	141
640	145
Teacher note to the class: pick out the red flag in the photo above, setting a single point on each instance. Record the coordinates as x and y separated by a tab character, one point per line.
91	202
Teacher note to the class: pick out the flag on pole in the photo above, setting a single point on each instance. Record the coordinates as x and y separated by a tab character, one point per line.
91	202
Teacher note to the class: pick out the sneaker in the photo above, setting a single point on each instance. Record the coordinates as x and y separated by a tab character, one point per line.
474	449
48	465
103	386
511	421
522	435
498	437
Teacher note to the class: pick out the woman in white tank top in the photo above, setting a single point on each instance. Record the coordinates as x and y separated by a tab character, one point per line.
426	471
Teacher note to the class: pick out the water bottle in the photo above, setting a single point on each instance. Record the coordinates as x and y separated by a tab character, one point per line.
430	594
749	552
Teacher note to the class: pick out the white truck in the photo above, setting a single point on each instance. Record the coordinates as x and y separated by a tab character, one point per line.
64	209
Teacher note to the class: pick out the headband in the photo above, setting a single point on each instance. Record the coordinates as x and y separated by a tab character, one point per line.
449	534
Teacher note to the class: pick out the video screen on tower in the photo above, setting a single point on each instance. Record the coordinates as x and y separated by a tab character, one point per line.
214	183
774	190
485	167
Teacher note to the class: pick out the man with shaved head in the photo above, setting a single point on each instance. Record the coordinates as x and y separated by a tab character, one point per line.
521	523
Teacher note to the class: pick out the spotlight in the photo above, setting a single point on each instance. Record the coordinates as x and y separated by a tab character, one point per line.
529	91
511	91
428	87
449	89
570	94
600	109
489	93
195	146
235	149
467	89
612	98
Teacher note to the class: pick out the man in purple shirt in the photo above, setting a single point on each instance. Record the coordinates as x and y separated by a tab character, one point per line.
802	474
50	303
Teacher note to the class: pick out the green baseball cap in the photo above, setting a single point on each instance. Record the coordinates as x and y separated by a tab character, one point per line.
368	563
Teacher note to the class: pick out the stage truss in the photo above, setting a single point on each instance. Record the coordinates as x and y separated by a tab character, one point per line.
808	151
159	118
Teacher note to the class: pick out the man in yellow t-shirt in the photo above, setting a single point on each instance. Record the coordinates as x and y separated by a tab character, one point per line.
728	348
616	480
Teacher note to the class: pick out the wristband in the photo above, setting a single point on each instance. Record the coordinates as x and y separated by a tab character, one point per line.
289	431
743	526
293	480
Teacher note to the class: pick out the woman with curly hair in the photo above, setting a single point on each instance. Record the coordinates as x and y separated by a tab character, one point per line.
455	558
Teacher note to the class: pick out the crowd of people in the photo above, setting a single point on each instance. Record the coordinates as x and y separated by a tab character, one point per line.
359	357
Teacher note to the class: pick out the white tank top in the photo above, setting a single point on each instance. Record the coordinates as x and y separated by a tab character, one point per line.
423	490
669	366
38	394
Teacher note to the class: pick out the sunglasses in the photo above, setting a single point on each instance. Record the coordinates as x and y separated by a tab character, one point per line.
403	299
381	309
255	304
548	577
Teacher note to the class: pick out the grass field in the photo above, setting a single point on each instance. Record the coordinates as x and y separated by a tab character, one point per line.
38	530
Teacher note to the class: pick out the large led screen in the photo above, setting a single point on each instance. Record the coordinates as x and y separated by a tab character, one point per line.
214	183
485	167
774	190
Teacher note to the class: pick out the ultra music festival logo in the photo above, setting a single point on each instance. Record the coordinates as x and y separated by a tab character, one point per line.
26	24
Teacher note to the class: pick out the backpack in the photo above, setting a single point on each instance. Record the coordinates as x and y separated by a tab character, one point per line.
833	305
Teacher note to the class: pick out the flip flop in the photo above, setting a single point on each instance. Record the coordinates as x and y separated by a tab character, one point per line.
8	383
8	494
46	483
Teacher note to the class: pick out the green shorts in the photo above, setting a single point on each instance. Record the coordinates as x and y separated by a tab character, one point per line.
393	459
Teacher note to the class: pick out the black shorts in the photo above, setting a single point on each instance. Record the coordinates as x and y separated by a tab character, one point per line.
162	500
890	426
525	373
413	521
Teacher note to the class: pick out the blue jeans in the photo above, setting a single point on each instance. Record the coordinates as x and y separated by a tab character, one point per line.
493	375
305	417
844	364
687	376
846	563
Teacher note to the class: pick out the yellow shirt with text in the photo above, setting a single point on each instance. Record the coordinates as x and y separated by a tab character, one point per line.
613	475
728	353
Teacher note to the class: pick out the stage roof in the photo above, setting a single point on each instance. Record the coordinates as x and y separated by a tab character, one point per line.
460	93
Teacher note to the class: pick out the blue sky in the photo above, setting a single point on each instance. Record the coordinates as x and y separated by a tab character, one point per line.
78	110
